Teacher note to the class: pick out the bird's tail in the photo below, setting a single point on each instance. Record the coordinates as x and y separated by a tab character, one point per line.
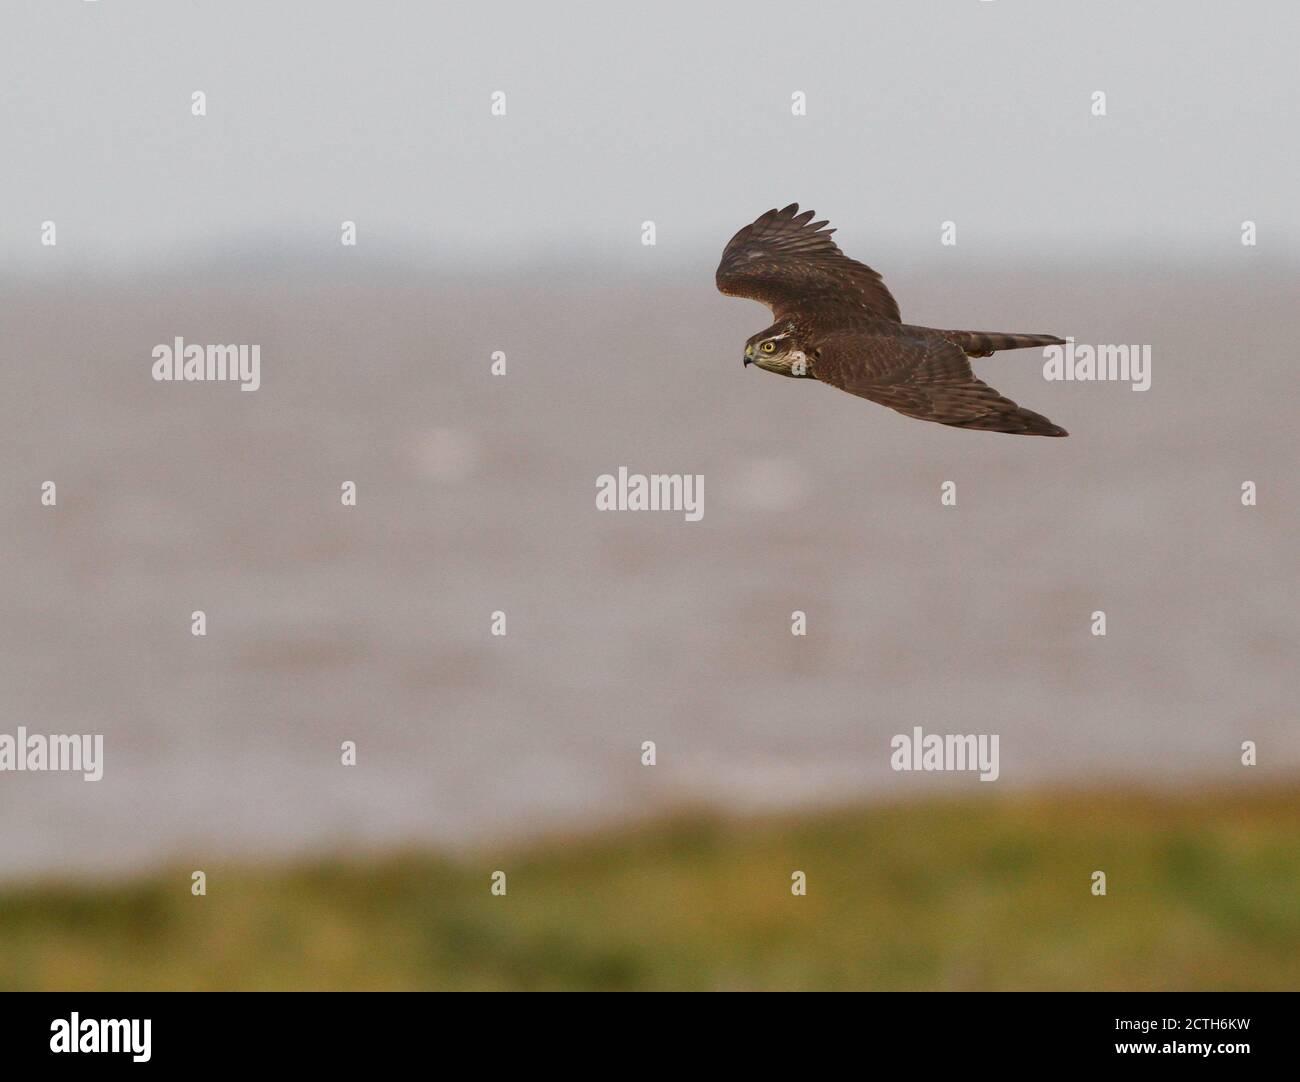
982	343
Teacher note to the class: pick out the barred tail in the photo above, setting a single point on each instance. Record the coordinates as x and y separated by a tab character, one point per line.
982	343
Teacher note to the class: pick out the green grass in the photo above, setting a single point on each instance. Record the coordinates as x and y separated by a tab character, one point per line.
977	893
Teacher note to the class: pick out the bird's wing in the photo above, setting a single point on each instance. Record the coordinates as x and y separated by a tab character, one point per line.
790	263
924	377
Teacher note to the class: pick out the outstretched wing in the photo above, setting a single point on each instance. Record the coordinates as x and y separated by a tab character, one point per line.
924	377
790	263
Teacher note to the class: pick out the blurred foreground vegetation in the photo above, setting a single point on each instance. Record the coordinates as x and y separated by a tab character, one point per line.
976	893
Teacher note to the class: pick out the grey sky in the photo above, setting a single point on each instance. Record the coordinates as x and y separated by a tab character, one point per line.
378	112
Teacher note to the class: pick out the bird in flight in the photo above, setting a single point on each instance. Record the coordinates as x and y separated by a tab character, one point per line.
837	323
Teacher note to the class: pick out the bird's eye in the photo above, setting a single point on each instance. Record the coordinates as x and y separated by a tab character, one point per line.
768	347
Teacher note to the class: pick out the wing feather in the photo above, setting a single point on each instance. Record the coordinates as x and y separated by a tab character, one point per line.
789	262
924	377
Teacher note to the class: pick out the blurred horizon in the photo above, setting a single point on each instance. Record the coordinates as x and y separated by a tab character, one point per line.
915	266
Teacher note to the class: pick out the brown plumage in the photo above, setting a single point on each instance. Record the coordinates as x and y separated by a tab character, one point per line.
837	322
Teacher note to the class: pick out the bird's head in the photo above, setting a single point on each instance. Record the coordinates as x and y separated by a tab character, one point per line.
774	350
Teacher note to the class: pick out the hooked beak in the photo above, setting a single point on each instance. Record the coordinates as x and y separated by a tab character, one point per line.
749	357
